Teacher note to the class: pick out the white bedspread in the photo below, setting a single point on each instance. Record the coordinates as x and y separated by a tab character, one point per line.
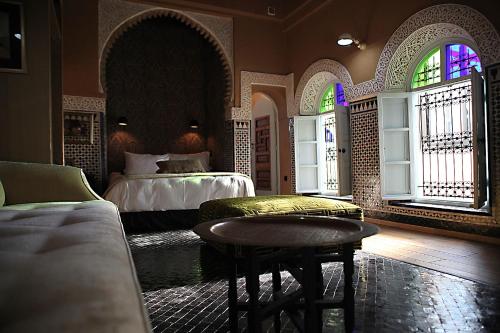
158	192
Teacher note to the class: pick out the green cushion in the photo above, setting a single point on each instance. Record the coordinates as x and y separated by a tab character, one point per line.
2	195
34	182
277	205
280	205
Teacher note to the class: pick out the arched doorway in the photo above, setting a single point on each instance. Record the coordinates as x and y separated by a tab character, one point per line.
264	144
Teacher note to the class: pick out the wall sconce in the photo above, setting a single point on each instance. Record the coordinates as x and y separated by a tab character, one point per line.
194	124
122	121
347	40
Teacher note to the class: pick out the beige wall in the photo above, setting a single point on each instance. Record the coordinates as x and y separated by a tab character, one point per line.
80	51
25	98
373	22
259	45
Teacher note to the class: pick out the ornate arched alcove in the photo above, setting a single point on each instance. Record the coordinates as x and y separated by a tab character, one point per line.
313	82
133	20
423	31
161	73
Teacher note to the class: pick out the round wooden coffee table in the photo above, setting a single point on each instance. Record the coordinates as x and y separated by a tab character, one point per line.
297	243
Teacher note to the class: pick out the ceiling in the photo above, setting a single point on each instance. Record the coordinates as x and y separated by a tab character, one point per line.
284	9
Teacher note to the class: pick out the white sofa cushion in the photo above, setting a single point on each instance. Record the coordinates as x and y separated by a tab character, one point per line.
67	268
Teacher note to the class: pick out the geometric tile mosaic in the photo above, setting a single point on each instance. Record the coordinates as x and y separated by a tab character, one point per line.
365	157
185	287
242	158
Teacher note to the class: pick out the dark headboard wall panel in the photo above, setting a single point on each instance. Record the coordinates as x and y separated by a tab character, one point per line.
160	75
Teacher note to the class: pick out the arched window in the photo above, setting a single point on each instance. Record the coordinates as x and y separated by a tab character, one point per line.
459	59
432	138
323	146
328	100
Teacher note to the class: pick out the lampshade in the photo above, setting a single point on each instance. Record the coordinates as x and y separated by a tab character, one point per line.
194	124
345	40
122	121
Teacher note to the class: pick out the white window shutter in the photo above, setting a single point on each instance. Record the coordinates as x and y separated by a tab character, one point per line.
397	157
479	140
306	154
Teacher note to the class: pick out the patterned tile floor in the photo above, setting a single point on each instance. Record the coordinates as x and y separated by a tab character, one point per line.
185	291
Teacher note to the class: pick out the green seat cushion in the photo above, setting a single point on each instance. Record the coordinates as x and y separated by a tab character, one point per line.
2	195
277	205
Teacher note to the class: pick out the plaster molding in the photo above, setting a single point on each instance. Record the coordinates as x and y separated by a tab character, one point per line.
254	78
80	103
418	41
475	24
116	17
313	81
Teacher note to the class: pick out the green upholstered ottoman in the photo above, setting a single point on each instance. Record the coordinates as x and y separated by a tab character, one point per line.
277	205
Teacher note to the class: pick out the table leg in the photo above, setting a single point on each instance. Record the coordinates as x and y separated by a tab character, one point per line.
252	287
310	291
276	289
319	291
232	297
348	256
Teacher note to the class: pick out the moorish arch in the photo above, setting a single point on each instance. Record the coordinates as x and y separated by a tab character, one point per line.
136	19
313	82
429	24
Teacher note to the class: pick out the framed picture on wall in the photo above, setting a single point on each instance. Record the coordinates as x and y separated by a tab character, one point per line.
12	48
78	127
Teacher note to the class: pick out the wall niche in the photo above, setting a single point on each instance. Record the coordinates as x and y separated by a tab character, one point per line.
161	74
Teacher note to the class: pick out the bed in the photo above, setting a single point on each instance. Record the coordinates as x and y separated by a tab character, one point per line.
177	191
156	192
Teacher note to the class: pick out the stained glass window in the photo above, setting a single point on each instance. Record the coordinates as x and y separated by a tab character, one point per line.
428	70
328	100
340	95
459	60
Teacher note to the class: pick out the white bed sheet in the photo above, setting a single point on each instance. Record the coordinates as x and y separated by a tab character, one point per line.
160	192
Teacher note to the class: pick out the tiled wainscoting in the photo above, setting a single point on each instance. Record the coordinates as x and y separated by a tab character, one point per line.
87	156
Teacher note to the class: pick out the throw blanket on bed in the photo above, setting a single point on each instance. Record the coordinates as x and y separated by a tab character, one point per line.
159	192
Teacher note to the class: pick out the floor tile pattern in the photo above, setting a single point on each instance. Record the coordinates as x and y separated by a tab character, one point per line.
185	291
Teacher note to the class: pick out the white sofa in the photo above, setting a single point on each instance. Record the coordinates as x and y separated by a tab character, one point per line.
65	266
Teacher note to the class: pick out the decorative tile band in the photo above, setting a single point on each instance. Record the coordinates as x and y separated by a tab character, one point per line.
80	103
364	105
291	130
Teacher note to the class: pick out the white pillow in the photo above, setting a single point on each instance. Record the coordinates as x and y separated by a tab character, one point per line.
137	164
204	157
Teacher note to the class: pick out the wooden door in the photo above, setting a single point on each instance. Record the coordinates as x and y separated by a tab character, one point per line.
263	153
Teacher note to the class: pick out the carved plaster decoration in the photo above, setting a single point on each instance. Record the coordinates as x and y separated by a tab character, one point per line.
314	80
80	103
116	17
252	78
470	20
313	91
418	41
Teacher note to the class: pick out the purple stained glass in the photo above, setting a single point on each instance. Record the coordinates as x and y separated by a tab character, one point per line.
459	60
340	95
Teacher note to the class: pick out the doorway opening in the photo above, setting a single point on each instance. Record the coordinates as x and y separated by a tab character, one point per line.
264	145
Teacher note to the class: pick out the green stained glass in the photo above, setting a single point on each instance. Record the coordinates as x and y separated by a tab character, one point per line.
428	70
328	100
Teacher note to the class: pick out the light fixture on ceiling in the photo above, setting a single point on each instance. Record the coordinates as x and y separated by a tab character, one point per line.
122	121
346	40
